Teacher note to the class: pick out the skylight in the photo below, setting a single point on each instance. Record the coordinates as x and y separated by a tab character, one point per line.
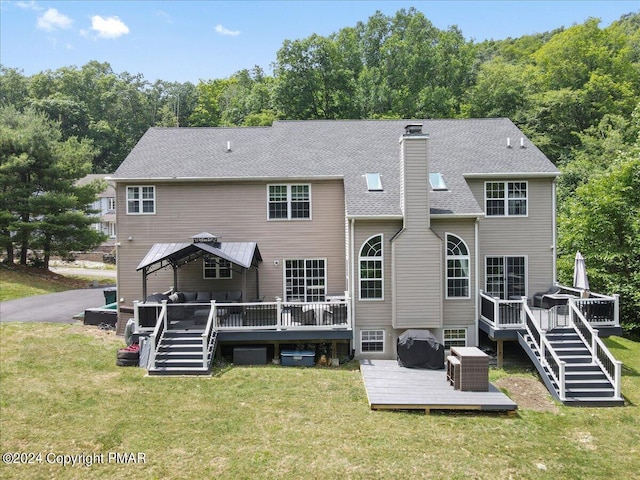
437	181
374	182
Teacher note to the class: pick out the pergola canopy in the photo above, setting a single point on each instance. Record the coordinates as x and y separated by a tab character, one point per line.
244	255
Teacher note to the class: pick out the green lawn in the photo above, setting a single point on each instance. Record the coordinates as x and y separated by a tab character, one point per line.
19	282
61	392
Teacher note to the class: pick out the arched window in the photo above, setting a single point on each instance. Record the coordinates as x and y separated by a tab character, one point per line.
371	269
458	262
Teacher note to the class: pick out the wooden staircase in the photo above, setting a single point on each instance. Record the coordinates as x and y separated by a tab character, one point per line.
585	382
181	352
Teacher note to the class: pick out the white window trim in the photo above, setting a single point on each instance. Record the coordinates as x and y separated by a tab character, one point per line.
140	200
289	219
504	257
446	266
284	275
380	258
444	336
111	204
384	341
505	199
111	229
216	269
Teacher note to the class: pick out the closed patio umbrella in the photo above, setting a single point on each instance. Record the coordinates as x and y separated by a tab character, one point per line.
580	279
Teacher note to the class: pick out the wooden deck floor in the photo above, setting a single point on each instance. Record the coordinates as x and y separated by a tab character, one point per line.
392	387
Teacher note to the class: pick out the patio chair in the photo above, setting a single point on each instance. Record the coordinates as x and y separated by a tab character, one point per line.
301	317
537	297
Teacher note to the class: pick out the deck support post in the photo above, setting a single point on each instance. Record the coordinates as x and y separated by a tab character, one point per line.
276	351
500	353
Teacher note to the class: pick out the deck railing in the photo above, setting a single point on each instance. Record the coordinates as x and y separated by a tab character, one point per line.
597	309
548	357
502	314
155	337
600	354
209	337
278	315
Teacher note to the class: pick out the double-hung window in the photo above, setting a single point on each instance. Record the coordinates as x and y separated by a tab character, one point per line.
371	269
458	261
216	268
455	337
372	341
141	200
506	277
506	199
289	202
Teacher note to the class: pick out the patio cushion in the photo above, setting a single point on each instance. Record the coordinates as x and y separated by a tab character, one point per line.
219	296
234	296
203	297
190	296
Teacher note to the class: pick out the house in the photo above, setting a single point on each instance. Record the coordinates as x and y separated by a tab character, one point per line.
407	224
105	205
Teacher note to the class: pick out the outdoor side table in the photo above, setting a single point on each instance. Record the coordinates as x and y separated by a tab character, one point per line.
474	368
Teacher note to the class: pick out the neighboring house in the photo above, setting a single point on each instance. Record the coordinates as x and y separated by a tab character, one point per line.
410	219
105	205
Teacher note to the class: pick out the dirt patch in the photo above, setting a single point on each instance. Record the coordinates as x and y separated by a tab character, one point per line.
94	331
528	393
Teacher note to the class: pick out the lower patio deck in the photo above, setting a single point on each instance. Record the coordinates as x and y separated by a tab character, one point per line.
392	387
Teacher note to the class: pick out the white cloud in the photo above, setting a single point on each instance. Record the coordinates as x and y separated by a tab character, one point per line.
224	31
31	5
110	27
164	15
52	20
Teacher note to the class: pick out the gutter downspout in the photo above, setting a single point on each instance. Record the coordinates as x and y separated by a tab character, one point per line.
477	275
352	281
554	246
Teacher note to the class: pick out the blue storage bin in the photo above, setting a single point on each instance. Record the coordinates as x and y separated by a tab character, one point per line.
297	358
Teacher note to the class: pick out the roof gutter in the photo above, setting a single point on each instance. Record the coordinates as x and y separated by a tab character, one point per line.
513	175
223	179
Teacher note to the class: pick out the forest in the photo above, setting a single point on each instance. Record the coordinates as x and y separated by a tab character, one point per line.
575	91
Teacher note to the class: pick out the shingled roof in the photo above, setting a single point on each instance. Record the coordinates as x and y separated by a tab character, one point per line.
347	149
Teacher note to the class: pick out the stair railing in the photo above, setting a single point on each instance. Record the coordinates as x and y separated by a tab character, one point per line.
156	336
548	356
600	354
209	335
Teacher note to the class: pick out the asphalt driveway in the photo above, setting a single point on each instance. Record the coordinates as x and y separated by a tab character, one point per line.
52	307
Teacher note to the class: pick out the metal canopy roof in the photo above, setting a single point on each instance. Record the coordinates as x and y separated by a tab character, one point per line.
242	254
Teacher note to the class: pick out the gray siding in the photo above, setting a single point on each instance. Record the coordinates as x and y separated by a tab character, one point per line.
374	313
234	211
531	236
417	250
458	312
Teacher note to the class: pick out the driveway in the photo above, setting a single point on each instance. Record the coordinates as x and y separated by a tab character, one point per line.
52	307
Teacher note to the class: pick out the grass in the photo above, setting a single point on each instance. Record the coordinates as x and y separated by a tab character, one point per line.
61	392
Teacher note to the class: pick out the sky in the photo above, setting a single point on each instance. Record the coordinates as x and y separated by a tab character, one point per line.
203	40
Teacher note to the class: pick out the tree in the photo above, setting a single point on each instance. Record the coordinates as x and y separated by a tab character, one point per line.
602	220
40	205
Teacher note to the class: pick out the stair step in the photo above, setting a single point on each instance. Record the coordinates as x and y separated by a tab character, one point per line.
572	359
594	402
195	354
571	352
567	344
178	371
589	392
588	383
576	367
585	376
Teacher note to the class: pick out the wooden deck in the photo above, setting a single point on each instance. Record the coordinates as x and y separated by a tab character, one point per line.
392	387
